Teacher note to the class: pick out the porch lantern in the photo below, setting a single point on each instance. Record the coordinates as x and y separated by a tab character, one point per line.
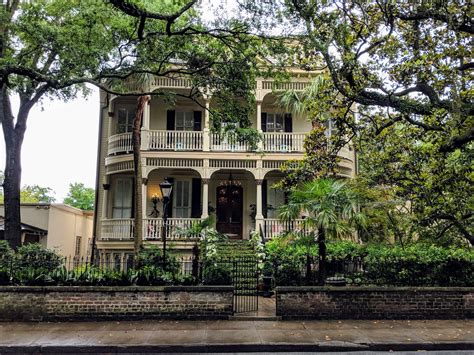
166	188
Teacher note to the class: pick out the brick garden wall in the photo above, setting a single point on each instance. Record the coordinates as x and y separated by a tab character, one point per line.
38	303
374	303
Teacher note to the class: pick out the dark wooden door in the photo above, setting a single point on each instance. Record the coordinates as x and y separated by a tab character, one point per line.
229	210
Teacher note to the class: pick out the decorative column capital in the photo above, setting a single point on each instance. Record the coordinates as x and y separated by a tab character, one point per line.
259	181
106	186
145	181
205	181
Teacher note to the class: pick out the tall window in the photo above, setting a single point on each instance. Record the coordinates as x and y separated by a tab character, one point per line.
275	199
122	207
275	122
182	198
125	119
77	248
184	121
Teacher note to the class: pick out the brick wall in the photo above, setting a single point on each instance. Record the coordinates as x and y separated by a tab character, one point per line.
374	303
25	303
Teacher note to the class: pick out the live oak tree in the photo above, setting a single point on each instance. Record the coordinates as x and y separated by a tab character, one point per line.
50	49
407	67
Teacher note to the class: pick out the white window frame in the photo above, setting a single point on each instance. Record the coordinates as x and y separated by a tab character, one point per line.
179	209
271	122
275	198
187	121
126	127
124	208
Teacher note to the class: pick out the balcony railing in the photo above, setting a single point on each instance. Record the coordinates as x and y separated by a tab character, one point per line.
162	140
120	143
228	143
273	227
174	230
122	229
117	229
283	142
175	140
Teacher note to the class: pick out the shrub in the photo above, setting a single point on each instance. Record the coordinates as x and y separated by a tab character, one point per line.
215	274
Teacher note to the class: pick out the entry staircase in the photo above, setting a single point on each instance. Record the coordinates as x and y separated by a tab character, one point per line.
236	248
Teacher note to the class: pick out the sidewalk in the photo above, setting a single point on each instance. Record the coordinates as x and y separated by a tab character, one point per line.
234	336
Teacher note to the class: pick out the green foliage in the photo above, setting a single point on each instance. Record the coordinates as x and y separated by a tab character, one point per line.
416	264
216	274
419	265
80	196
36	194
330	205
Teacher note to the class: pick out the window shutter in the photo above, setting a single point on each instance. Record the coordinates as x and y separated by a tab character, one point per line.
197	120
170	203
196	198
264	197
264	121
288	122
170	120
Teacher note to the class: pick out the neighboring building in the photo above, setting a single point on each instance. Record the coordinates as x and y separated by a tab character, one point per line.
66	229
209	173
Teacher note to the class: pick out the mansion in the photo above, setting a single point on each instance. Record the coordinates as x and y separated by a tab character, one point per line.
211	174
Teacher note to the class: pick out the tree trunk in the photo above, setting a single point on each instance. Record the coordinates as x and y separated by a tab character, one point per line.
137	169
13	137
322	257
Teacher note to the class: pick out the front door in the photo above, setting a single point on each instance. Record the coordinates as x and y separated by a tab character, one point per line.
229	210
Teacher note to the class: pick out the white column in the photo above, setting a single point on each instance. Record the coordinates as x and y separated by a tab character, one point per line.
259	211
145	126
206	131
259	124
105	201
205	198
259	115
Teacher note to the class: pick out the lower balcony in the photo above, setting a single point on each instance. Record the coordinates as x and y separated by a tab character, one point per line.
178	228
122	229
273	227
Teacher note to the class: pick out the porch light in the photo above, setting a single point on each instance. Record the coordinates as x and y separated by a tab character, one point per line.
166	187
230	181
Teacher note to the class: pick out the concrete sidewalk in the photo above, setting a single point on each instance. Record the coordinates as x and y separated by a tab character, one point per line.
236	336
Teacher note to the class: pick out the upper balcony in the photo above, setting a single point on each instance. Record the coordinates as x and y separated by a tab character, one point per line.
186	141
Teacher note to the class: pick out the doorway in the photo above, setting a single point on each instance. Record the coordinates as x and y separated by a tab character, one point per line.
229	210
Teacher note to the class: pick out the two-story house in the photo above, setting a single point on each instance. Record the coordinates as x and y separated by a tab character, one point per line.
209	173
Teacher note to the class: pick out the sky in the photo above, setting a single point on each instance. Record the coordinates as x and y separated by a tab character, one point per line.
60	145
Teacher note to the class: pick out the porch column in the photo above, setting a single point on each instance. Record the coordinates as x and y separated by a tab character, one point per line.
145	126
206	132
259	210
105	201
144	204
259	124
205	198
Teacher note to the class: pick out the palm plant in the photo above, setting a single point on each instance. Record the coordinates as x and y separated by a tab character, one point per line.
332	210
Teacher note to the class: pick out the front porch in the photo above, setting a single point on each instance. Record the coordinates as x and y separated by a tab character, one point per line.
238	202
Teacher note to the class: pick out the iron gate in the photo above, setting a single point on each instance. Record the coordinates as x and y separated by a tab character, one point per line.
245	281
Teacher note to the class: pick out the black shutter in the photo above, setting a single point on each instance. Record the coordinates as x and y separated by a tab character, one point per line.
288	122
197	120
170	203
264	121
264	198
170	120
196	198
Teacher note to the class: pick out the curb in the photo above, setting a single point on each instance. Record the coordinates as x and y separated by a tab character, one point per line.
209	348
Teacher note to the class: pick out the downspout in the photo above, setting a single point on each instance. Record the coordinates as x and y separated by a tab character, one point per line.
97	176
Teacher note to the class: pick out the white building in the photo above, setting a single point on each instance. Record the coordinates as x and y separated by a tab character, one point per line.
178	144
